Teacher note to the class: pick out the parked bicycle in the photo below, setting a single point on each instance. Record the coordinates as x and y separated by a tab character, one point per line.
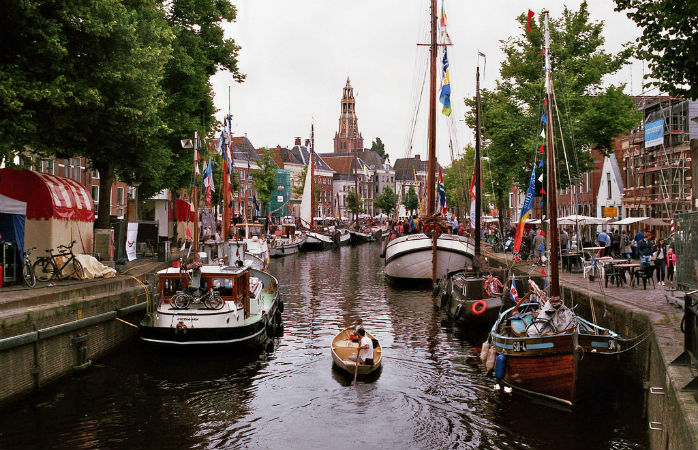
58	266
28	269
211	300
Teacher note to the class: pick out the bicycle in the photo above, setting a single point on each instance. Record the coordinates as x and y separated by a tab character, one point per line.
211	300
28	269
47	267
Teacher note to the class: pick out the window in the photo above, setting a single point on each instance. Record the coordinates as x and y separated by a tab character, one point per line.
47	166
511	199
95	194
608	184
119	196
120	212
95	174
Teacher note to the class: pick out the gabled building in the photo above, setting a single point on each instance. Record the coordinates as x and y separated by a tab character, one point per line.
294	160
410	173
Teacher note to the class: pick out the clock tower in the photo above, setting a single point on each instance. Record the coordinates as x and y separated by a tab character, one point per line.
348	139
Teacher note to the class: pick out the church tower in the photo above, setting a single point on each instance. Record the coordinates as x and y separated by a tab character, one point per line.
348	138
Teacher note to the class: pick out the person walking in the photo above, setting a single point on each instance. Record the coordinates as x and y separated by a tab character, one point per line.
660	261
627	250
615	243
671	264
604	240
639	237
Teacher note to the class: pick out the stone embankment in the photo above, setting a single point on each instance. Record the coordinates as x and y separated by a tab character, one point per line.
60	327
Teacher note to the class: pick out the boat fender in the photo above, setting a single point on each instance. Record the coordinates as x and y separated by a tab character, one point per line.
500	367
281	305
277	317
436	290
459	310
479	307
491	355
180	327
483	352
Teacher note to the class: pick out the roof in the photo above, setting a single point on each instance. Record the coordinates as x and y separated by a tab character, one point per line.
405	167
243	149
298	154
343	164
48	196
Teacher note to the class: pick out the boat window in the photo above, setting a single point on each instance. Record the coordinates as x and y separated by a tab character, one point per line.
170	286
224	286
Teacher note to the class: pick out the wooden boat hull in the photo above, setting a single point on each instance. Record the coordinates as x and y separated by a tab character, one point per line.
342	347
410	257
317	241
565	367
284	250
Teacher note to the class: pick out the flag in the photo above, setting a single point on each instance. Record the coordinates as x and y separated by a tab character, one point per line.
528	22
254	202
513	293
472	200
442	193
543	119
542	146
366	172
445	95
525	210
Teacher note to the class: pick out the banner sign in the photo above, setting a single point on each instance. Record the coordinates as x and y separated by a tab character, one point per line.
611	211
654	133
131	234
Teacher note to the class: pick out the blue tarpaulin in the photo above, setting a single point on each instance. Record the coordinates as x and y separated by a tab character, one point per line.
12	220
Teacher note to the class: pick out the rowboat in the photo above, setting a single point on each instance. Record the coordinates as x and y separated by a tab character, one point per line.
343	347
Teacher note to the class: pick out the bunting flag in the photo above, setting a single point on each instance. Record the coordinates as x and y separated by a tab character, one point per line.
208	176
513	293
542	148
543	119
525	210
445	95
473	187
540	164
528	22
442	193
542	191
542	133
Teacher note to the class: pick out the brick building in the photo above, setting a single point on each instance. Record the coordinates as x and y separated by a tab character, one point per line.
348	137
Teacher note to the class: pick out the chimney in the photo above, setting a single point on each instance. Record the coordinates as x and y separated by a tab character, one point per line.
416	157
298	141
307	142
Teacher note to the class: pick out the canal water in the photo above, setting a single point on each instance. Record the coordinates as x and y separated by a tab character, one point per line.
427	396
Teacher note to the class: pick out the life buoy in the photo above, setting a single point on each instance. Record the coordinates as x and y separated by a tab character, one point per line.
479	307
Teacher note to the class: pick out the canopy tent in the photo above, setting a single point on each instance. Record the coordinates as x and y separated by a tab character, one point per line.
488	219
185	220
380	216
649	221
581	220
629	221
58	210
12	221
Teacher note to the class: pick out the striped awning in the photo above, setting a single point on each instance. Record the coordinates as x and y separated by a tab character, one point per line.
48	196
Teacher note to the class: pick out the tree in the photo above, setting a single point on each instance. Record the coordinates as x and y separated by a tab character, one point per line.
591	114
354	202
457	181
668	42
378	147
387	201
264	179
411	201
112	57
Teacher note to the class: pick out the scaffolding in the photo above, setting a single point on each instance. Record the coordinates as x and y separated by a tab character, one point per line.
657	178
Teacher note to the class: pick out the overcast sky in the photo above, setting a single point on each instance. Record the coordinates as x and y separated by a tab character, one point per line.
297	56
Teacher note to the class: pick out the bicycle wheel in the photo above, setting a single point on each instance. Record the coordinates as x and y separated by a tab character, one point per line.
78	270
214	301
44	269
180	301
28	272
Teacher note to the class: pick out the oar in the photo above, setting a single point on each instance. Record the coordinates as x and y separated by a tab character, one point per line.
356	369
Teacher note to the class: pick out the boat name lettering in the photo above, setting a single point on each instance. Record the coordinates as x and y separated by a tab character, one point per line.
187	318
519	346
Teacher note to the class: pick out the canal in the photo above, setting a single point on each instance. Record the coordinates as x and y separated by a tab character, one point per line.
427	396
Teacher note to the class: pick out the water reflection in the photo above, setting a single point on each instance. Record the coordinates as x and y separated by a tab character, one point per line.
427	395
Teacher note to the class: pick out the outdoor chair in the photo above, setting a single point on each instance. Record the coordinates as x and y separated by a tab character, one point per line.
613	274
645	273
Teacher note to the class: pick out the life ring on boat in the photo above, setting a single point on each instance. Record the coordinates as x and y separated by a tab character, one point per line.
479	307
458	311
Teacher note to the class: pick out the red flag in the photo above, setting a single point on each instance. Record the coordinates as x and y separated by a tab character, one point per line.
208	195
528	22
542	232
542	191
542	146
542	52
545	100
542	271
188	233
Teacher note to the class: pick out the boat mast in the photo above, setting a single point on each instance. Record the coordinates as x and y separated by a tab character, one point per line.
195	197
432	141
356	192
552	182
226	177
432	115
312	176
478	200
